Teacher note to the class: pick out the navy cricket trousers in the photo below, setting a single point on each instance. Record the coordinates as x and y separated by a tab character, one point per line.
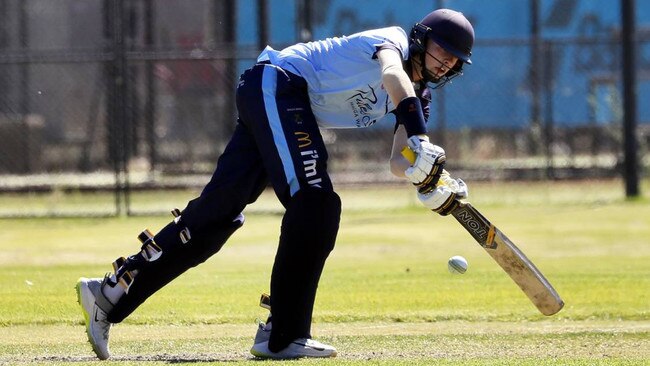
276	139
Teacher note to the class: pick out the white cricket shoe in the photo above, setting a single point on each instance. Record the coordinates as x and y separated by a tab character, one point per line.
301	347
263	332
97	327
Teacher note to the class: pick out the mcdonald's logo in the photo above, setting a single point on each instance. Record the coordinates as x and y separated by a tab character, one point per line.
303	139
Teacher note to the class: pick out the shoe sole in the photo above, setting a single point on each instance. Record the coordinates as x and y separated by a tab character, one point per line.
267	356
83	286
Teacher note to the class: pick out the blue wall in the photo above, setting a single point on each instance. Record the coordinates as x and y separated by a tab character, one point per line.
496	90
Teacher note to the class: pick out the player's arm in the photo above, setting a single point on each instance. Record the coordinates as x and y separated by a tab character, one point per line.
398	163
398	86
411	131
396	81
427	168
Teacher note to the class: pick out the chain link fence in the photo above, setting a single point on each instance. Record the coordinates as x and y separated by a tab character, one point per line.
103	102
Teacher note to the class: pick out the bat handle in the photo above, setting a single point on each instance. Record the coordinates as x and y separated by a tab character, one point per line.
408	154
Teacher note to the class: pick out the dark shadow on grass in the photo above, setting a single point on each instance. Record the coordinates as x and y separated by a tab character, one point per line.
168	358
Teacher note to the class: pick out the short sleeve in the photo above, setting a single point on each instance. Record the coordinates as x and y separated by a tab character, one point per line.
391	37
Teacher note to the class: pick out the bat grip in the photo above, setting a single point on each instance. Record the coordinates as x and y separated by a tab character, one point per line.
408	154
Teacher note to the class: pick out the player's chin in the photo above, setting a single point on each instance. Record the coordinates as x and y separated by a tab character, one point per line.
436	75
435	79
440	73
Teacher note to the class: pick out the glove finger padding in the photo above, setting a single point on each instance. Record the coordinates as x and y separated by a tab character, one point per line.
444	198
463	190
429	163
449	205
441	200
457	185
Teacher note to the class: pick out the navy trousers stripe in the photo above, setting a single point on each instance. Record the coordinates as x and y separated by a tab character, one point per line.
274	106
269	88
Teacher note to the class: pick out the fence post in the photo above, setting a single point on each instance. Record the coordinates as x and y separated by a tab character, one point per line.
150	103
549	123
535	138
263	23
628	35
23	33
116	99
305	14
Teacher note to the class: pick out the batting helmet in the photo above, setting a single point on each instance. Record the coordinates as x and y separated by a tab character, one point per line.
449	29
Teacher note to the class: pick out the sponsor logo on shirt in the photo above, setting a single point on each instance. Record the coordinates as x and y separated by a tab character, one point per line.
362	103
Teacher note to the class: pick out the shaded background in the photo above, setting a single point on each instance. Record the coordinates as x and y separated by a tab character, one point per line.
116	97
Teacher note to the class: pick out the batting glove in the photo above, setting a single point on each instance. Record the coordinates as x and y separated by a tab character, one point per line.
429	163
443	199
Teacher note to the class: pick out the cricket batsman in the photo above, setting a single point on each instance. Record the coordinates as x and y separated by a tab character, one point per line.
283	100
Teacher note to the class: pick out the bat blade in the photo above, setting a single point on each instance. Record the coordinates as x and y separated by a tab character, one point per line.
513	261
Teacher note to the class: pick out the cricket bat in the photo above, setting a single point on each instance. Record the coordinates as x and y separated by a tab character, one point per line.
513	261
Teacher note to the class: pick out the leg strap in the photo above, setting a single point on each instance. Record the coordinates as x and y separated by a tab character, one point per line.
100	299
176	258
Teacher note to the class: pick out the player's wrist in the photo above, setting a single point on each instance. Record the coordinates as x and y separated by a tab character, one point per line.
421	137
409	113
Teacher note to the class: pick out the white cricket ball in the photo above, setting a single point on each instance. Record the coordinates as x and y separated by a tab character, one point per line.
457	265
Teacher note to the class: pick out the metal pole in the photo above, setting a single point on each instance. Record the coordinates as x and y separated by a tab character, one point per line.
548	107
4	27
628	35
116	81
5	36
23	101
122	85
309	15
231	64
108	11
133	118
535	84
263	23
23	35
304	20
150	103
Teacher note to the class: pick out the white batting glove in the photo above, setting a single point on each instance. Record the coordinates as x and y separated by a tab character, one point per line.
455	184
425	171
444	198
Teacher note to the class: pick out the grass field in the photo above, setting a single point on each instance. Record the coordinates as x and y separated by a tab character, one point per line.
385	297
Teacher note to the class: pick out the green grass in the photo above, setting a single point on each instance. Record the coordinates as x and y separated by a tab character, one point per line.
385	297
